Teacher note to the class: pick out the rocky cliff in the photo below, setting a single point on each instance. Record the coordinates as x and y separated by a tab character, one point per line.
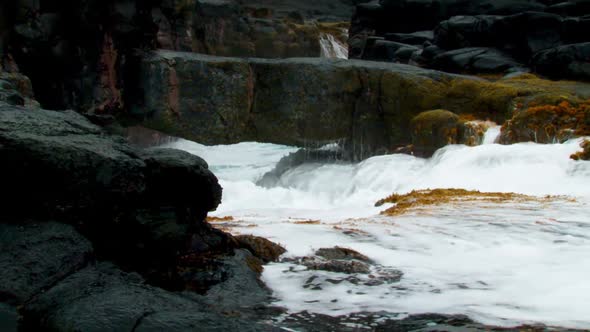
367	106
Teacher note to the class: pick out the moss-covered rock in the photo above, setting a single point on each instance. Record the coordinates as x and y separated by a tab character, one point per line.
548	123
432	130
366	105
585	153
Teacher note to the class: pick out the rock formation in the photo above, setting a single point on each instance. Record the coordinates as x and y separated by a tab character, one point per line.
479	36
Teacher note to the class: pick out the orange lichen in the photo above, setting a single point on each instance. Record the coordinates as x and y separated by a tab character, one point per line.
423	198
307	222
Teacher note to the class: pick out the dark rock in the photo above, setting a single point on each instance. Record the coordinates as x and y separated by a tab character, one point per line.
333	154
103	298
295	101
386	50
34	257
414	38
340	266
241	289
58	161
341	253
476	60
260	247
571	61
512	31
8	318
179	179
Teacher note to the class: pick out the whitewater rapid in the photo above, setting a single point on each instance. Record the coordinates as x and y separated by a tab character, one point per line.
505	265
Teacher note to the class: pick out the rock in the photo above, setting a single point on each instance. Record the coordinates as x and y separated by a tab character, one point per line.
8	318
328	153
513	32
294	101
341	253
585	153
476	60
414	38
433	130
241	288
547	123
569	61
103	298
385	50
34	257
340	266
364	106
58	162
519	35
260	247
179	179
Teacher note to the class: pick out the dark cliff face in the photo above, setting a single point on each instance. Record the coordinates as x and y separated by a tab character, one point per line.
85	55
80	54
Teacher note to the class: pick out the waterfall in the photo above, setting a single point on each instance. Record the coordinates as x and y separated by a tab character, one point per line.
332	48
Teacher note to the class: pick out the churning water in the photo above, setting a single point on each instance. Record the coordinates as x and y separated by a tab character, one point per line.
502	264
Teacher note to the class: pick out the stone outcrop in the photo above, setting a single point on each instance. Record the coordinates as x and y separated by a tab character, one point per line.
476	36
82	206
84	55
366	106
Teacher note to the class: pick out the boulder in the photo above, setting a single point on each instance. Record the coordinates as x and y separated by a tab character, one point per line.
433	130
103	298
34	257
569	61
414	38
260	247
59	162
8	318
476	60
364	106
547	123
584	154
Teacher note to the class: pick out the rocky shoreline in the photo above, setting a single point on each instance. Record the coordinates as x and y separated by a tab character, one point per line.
102	232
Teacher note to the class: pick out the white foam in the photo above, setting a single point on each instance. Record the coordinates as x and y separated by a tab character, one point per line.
513	264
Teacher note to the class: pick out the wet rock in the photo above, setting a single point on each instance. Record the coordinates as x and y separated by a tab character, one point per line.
36	256
330	153
340	266
414	38
433	130
341	253
564	61
8	318
104	298
241	288
514	34
260	247
585	153
547	123
181	180
476	60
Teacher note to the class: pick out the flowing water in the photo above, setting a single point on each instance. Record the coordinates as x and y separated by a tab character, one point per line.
332	48
502	264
